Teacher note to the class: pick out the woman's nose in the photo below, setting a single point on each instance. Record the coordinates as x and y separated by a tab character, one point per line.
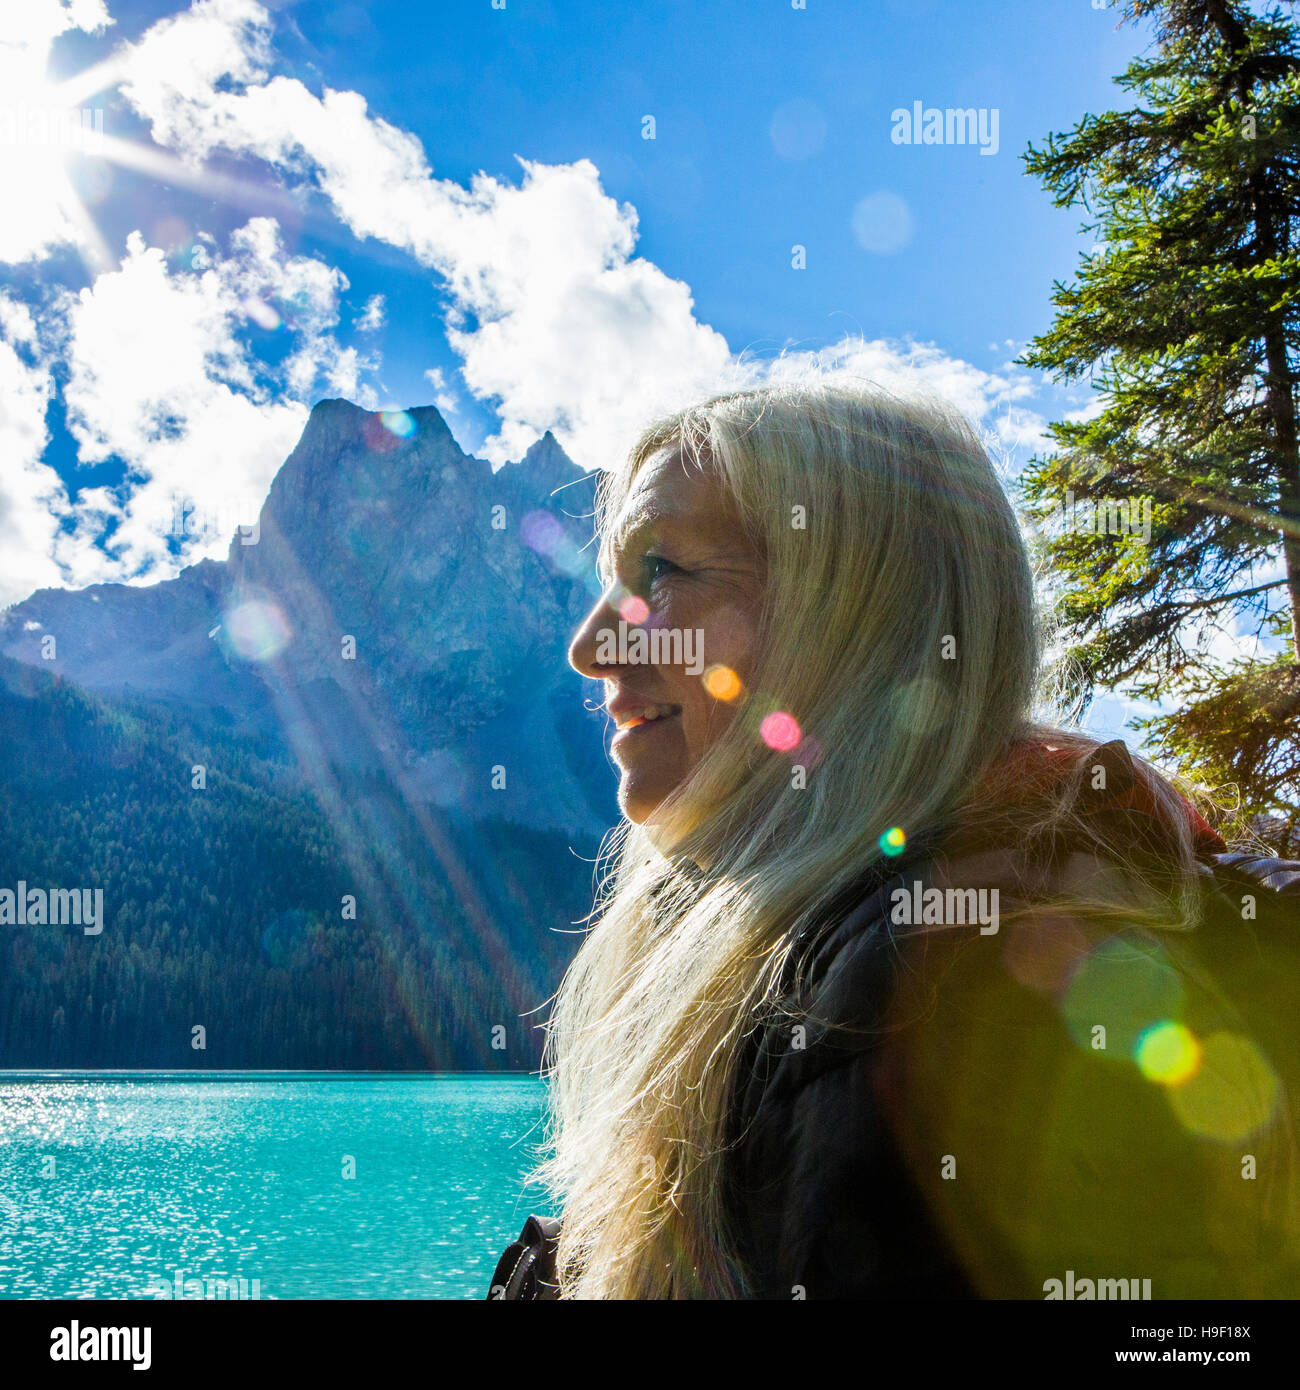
582	650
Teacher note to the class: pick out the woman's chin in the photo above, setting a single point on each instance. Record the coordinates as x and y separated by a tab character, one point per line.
639	808
641	798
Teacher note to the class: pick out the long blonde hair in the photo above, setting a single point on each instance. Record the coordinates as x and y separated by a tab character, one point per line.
899	631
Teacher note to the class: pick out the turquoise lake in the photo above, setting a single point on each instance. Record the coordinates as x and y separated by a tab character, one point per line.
114	1183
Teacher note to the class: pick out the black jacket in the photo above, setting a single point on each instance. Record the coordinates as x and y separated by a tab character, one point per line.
933	1112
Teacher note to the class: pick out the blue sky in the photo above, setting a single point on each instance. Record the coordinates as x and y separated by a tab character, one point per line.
299	200
718	206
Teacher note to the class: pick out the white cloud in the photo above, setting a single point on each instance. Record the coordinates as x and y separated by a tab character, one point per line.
372	318
31	496
559	325
160	377
909	367
444	397
991	400
1097	404
34	24
78	549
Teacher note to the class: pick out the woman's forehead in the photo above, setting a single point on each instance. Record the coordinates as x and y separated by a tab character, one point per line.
668	490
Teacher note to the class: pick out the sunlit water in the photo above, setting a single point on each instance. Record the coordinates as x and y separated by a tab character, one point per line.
112	1184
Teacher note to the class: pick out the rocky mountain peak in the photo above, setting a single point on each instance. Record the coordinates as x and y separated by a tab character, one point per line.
402	602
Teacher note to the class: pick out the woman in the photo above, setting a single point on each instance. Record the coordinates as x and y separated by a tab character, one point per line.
784	1065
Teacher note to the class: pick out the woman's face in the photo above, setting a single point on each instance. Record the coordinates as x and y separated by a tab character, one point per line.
687	579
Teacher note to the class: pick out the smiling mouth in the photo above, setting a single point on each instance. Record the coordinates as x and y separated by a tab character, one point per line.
652	716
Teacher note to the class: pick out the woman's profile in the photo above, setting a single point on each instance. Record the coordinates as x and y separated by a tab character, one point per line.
890	990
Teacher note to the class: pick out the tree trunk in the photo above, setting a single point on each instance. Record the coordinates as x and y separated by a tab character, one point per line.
1271	233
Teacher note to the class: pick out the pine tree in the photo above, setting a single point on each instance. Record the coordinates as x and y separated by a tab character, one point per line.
1185	319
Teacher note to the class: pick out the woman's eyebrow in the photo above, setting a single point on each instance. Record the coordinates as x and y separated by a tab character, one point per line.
631	532
650	518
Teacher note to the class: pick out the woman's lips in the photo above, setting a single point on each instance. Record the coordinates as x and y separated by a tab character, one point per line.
636	727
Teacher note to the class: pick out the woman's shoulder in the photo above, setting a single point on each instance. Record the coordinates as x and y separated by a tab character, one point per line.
1000	1057
1051	825
1054	1089
959	904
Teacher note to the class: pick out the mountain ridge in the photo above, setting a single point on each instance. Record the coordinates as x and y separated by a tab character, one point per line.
404	605
341	792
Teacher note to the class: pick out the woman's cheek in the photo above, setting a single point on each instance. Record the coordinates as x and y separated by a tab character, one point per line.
728	640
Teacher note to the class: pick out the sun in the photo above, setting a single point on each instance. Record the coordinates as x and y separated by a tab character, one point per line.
56	155
58	161
44	128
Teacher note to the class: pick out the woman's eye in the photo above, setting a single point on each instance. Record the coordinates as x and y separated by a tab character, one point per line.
655	567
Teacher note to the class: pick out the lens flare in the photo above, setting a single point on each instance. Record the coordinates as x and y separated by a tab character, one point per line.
397	422
262	314
1168	1053
1043	955
722	683
543	533
893	841
170	233
257	631
809	752
634	609
444	778
284	938
1127	986
379	438
780	731
1234	1093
